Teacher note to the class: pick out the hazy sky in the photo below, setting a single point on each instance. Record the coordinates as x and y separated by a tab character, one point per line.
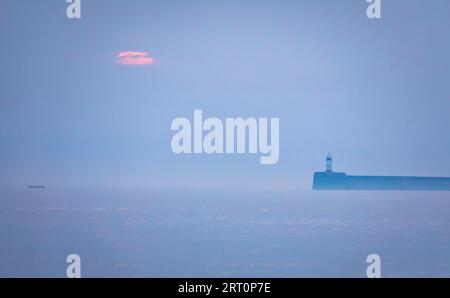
374	93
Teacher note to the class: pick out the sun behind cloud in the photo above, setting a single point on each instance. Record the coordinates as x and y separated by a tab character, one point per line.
134	58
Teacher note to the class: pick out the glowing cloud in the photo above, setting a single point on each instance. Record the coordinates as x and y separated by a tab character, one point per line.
134	58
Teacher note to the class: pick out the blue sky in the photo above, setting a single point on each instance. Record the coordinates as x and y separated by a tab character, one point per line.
374	93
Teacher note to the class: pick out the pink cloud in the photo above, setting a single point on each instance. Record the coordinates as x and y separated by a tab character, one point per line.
134	58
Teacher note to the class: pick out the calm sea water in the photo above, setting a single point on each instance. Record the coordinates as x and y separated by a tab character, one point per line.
218	233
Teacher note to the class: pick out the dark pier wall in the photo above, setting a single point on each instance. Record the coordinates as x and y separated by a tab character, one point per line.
341	181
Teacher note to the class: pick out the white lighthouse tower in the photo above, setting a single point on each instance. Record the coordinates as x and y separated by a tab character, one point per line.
329	163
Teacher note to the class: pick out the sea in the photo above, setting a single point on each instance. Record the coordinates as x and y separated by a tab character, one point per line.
222	233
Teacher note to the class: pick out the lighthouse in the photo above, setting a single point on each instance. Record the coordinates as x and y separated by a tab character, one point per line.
329	163
329	180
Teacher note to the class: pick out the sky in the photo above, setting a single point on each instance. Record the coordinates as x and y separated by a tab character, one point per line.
374	93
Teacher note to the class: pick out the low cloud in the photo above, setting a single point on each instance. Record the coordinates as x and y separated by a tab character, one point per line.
134	58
